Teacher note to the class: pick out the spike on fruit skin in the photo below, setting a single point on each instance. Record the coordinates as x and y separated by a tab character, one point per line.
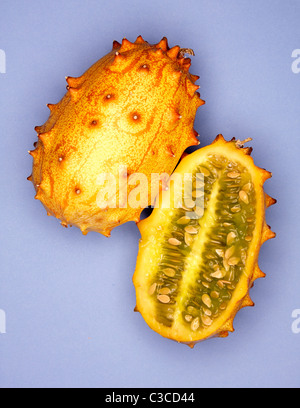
116	45
194	274
74	93
191	88
173	52
74	82
270	201
140	40
81	138
195	78
163	44
247	302
126	45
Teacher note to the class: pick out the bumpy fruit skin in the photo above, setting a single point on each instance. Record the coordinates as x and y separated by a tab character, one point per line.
135	108
167	288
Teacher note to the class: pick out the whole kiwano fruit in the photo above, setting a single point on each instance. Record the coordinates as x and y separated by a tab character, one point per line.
133	110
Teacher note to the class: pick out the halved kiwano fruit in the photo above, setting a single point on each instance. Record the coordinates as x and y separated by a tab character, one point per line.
196	265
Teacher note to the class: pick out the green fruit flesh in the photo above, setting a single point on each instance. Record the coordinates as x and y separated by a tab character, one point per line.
201	259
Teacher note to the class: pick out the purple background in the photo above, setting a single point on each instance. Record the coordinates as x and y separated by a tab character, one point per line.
69	299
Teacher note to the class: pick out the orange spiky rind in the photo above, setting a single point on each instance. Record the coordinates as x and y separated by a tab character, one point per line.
126	45
173	52
94	113
140	40
149	230
163	44
270	201
116	45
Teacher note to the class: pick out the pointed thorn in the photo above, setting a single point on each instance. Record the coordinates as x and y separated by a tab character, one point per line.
38	129
173	52
140	40
191	88
270	201
126	45
116	45
73	82
200	101
247	302
195	78
50	106
163	44
266	175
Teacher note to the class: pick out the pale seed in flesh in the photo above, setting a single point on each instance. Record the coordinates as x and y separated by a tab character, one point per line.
207	278
220	252
244	197
188	239
206	320
204	171
169	272
225	264
191	230
236	209
188	318
174	241
164	291
247	187
220	284
233	261
205	284
183	220
207	312
206	300
191	309
218	274
230	251
233	174
230	238
163	298
195	324
152	289
215	294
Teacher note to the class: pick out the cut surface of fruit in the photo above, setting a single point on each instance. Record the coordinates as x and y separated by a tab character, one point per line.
196	265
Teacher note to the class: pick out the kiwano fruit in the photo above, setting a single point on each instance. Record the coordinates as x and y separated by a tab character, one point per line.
196	265
131	112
